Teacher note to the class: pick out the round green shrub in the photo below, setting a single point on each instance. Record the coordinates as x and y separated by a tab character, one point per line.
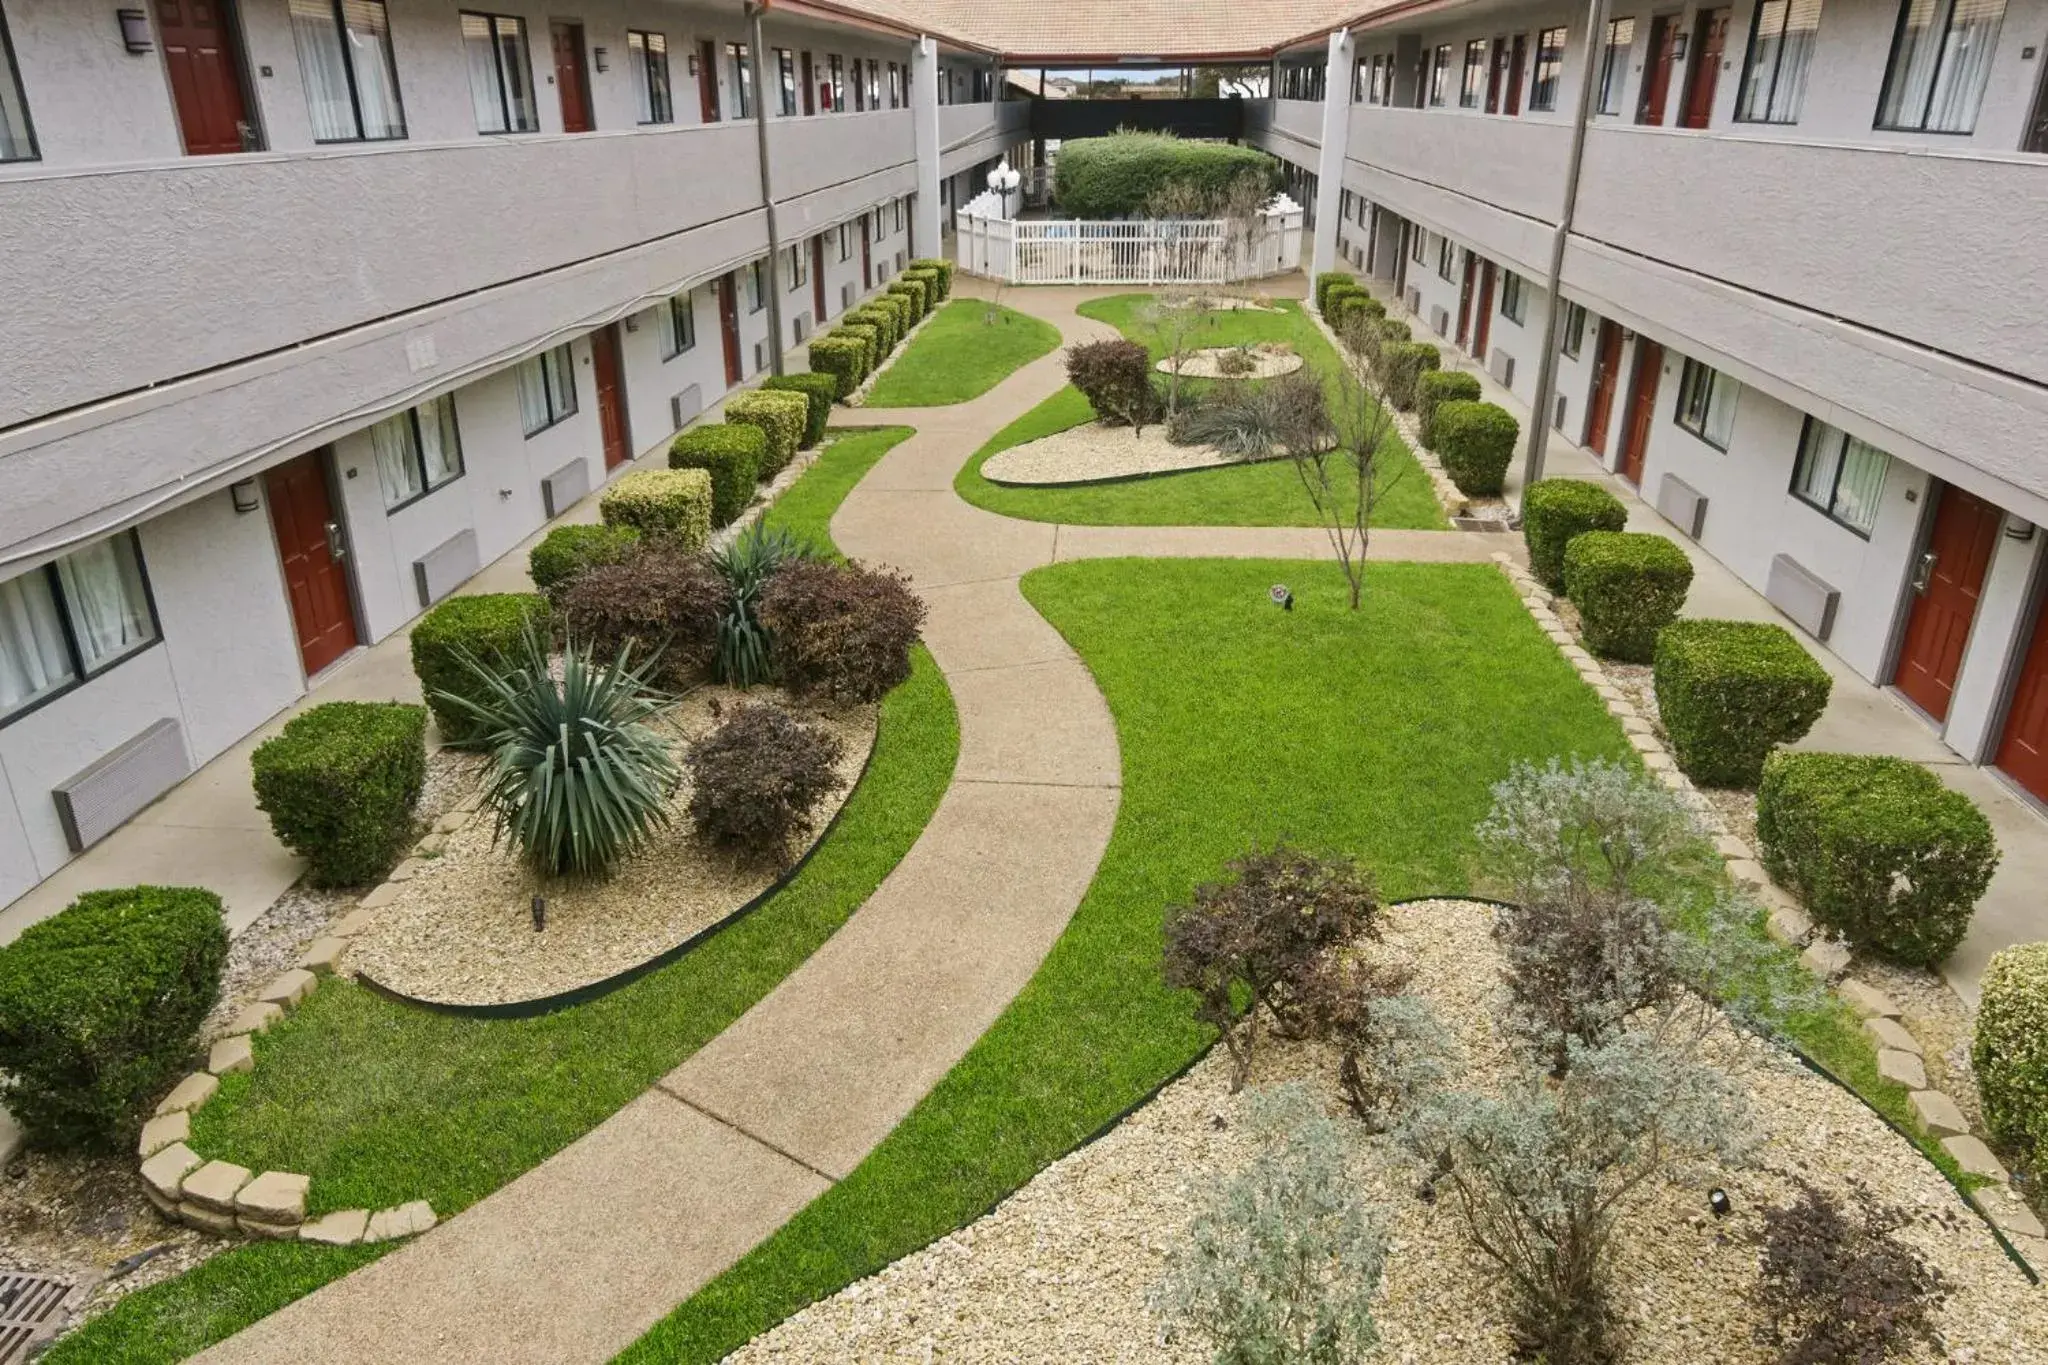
1116	176
2010	1049
1440	386
839	358
100	1008
488	626
340	783
1877	849
1392	330
732	454
1554	512
1401	365
1730	692
1475	442
671	505
943	269
1627	585
780	415
818	390
1351	308
568	550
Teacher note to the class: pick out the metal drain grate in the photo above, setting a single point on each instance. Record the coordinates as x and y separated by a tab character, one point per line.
31	1310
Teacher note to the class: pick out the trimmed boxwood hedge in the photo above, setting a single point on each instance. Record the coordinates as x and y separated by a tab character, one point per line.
672	505
913	290
1394	330
1401	365
568	550
934	287
489	626
2010	1048
1877	849
1555	512
1115	176
781	416
100	1008
1475	442
818	390
888	321
869	335
1440	386
944	270
840	359
1627	585
1351	306
1328	281
340	783
1730	692
732	454
903	307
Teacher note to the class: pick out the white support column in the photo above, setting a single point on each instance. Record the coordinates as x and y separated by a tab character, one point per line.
924	116
1330	161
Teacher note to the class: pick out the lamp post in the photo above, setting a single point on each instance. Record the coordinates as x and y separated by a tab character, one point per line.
1004	180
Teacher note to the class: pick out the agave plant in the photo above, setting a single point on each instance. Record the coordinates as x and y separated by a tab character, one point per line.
746	564
578	776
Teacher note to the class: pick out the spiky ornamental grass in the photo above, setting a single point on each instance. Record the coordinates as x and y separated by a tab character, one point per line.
746	565
578	778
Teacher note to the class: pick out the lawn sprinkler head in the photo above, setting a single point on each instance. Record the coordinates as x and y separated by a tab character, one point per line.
1282	598
1719	1202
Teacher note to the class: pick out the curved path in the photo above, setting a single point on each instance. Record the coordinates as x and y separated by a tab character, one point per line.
576	1259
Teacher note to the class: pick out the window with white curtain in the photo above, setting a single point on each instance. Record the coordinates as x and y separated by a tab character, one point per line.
1706	404
785	75
500	73
1621	37
647	60
1941	61
547	389
1549	73
417	451
1514	298
1840	475
678	321
754	287
17	137
346	66
68	621
1781	38
797	263
742	64
1574	329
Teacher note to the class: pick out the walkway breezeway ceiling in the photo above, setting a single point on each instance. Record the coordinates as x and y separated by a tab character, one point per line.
1052	32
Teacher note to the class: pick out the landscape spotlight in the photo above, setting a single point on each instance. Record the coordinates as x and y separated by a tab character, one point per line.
1282	598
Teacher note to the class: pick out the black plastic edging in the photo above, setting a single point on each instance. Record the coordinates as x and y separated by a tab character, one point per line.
548	1004
1108	479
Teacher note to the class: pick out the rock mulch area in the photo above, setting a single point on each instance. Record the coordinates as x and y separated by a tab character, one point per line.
454	924
1268	360
1920	1029
1063	1269
1094	452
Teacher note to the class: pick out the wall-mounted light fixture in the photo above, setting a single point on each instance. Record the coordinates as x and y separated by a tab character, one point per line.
135	34
2018	528
244	494
601	57
691	62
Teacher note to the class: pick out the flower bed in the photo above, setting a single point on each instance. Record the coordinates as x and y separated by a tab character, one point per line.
1063	1269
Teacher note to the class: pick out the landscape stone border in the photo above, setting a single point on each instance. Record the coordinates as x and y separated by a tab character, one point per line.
228	1200
1899	1054
1448	495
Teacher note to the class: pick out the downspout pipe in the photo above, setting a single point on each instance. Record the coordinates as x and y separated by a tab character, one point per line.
758	62
1546	368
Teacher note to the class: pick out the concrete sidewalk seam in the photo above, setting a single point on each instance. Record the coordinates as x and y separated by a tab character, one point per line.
724	1122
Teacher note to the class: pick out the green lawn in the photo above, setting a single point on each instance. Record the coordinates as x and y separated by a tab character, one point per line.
962	354
1378	733
1264	494
384	1103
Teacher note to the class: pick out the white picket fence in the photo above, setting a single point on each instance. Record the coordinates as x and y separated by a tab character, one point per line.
1147	252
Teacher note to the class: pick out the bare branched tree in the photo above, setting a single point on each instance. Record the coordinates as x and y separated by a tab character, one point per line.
1343	479
1174	322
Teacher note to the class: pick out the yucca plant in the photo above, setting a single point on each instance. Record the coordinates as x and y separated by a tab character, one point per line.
746	564
578	776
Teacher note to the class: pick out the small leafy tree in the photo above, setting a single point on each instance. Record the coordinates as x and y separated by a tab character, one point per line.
1342	475
1280	1265
1542	1172
1838	1286
578	775
1260	934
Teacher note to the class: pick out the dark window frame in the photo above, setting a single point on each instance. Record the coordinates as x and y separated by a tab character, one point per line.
1574	339
419	452
10	71
1446	260
555	417
1471	91
498	66
661	99
1513	290
1808	444
681	312
348	71
741	58
1439	74
1891	70
1696	390
1614	57
786	82
80	674
1544	85
1756	20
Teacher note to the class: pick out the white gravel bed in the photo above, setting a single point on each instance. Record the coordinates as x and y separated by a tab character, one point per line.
1094	451
1207	363
1061	1271
461	929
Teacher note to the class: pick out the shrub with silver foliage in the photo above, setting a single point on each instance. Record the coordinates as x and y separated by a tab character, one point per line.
1402	1055
1542	1171
1589	824
1280	1266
